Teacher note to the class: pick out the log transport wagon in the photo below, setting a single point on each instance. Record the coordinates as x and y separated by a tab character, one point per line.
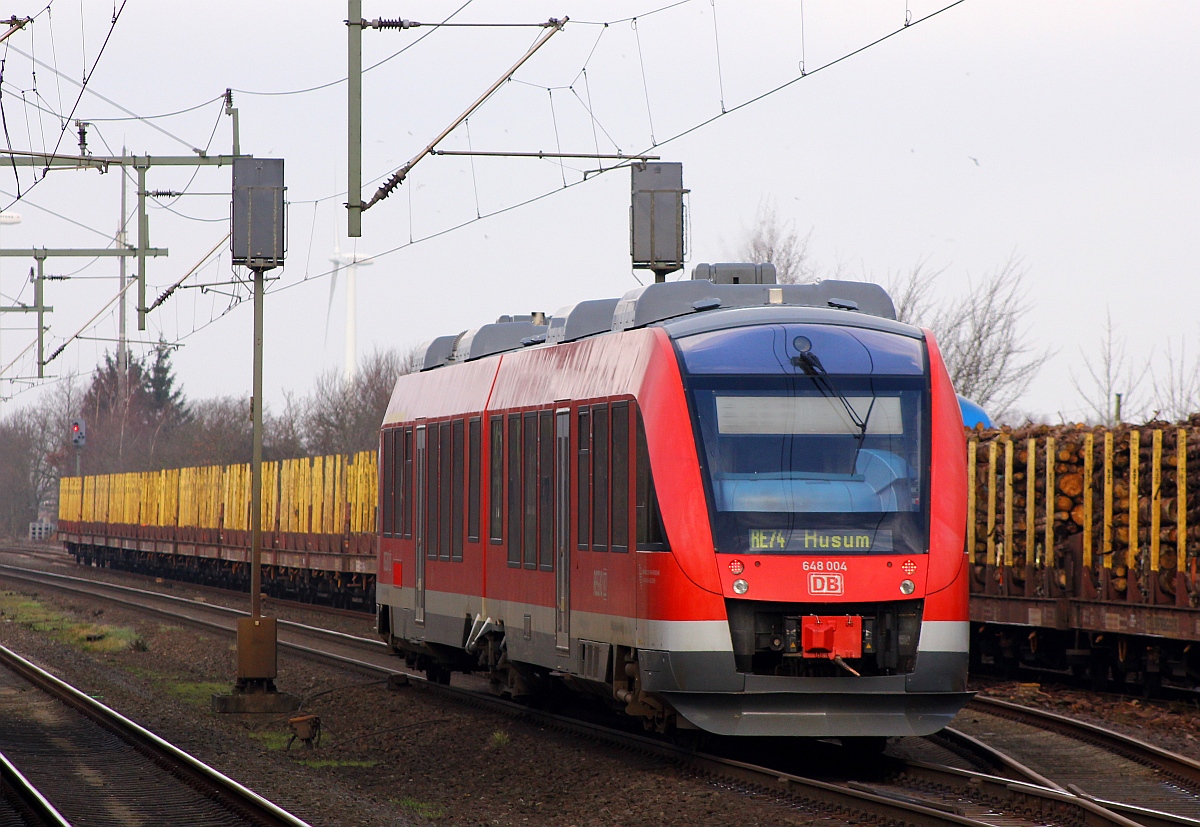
1084	546
318	517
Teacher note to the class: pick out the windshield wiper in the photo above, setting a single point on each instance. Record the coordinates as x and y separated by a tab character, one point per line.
808	362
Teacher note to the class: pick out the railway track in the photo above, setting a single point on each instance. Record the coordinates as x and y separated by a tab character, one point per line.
1000	792
57	556
97	767
21	803
1060	746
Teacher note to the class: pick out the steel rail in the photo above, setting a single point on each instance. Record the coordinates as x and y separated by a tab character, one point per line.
1177	766
1030	784
758	778
38	576
29	795
1024	789
205	778
48	554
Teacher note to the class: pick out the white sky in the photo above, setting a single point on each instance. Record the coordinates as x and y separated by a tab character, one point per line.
1062	133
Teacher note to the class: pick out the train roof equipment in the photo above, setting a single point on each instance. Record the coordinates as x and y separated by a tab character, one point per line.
722	286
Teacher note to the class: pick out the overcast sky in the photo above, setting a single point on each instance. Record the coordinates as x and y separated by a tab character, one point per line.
1063	134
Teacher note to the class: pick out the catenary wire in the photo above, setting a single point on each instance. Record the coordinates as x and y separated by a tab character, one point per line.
328	84
83	87
236	300
133	115
695	127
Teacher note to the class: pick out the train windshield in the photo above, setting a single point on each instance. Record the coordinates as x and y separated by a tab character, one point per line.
800	459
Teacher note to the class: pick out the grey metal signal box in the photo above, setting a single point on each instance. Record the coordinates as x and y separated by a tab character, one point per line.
656	219
78	433
258	237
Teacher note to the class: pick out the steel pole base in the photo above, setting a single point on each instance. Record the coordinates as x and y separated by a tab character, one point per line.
256	702
254	689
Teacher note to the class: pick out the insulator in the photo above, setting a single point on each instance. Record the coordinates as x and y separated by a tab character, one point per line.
379	23
164	194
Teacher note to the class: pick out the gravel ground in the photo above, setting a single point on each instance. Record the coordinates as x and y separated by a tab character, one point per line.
388	756
402	757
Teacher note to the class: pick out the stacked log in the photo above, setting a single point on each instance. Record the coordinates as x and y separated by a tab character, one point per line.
1066	502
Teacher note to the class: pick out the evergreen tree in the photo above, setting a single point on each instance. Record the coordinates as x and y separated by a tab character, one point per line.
167	399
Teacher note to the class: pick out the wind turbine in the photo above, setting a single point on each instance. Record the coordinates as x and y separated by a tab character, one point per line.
351	261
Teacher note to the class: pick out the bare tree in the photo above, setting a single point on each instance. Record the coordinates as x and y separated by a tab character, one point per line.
283	435
1112	374
19	456
343	417
35	451
777	242
981	334
1177	386
219	432
51	419
912	292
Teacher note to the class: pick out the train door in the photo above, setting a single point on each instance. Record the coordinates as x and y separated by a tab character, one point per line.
562	535
419	534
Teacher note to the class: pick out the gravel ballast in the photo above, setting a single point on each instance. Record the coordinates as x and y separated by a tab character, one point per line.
387	756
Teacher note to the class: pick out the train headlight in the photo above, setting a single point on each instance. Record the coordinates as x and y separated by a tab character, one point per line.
906	587
740	586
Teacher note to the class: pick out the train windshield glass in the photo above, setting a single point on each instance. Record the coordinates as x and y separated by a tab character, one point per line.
806	461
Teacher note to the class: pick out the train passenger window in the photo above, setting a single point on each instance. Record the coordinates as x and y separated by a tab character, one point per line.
514	490
650	534
456	493
474	434
584	494
599	478
496	480
446	456
395	477
529	481
387	513
620	476
546	491
406	488
432	466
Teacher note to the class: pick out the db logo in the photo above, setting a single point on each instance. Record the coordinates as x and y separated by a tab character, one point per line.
825	583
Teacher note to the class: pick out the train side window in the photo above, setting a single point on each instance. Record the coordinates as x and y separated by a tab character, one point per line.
406	503
546	492
432	491
529	481
620	476
474	435
496	480
514	490
396	476
650	533
388	452
456	492
599	478
446	456
584	472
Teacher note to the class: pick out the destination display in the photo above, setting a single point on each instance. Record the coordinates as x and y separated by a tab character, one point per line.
820	541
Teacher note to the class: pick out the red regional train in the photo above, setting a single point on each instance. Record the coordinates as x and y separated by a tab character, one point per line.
720	504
